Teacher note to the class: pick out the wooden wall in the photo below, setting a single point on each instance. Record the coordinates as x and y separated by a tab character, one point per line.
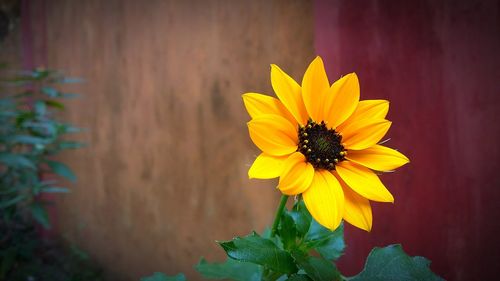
168	148
165	171
438	64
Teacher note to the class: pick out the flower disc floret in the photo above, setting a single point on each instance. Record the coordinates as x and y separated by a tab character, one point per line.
321	146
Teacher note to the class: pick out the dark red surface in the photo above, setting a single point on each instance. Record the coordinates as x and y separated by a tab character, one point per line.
438	63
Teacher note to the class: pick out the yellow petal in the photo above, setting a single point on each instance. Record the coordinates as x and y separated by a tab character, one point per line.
364	133
375	109
341	100
267	166
273	134
289	93
358	211
378	158
258	104
364	181
325	200
314	86
296	176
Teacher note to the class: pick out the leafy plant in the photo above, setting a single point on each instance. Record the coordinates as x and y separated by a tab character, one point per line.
31	135
303	250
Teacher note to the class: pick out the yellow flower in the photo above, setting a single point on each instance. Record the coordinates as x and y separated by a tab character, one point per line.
322	142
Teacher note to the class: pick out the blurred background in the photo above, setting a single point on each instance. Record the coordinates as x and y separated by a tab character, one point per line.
164	172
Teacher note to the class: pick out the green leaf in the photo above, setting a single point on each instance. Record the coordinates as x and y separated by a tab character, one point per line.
45	128
62	170
299	277
38	187
40	107
54	189
54	104
70	144
266	233
70	80
40	214
51	92
40	73
255	249
7	203
15	160
26	139
69	95
318	269
393	264
330	244
287	231
158	276
24	116
301	217
67	129
9	190
230	269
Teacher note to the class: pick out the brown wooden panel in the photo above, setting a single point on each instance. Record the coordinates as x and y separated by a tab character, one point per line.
168	146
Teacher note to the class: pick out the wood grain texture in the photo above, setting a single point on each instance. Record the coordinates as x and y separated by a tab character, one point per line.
165	171
437	62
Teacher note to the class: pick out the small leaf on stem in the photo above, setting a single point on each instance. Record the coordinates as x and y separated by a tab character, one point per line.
255	249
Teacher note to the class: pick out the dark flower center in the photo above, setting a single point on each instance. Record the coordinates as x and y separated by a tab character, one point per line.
321	146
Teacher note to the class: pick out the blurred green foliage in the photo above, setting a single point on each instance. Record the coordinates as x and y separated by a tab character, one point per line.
31	135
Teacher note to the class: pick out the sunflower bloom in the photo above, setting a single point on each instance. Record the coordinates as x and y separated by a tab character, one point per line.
322	142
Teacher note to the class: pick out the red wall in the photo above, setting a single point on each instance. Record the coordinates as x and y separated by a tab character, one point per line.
438	63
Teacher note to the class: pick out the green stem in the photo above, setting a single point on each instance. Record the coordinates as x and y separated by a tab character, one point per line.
266	273
277	217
